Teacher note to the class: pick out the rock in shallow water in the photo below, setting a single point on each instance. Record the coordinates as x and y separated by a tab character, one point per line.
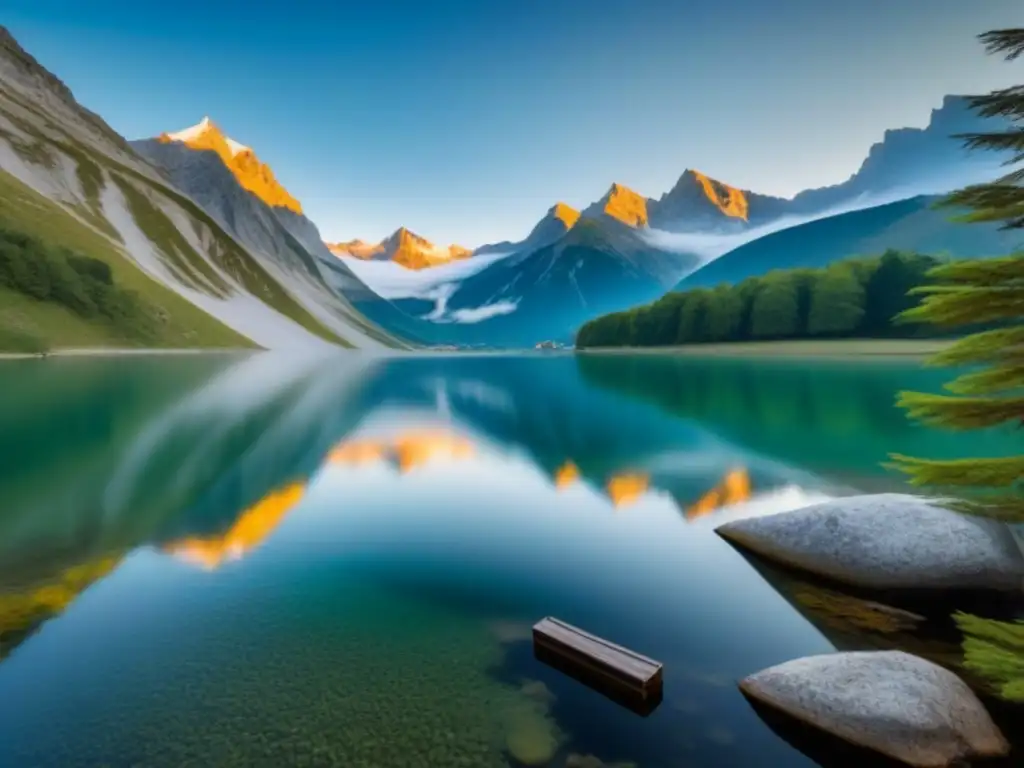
899	705
887	541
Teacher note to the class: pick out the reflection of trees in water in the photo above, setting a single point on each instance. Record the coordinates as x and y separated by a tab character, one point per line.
24	611
148	450
76	412
833	415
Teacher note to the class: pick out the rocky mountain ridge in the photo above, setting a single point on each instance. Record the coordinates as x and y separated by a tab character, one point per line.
403	247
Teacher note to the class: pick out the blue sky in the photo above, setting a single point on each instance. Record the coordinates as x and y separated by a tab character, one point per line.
464	120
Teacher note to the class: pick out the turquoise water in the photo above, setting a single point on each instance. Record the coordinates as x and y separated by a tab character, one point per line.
271	561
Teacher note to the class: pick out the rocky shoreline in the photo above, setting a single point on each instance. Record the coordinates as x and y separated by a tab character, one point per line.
893	704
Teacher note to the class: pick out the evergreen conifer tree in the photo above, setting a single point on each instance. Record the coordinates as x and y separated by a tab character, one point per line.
983	291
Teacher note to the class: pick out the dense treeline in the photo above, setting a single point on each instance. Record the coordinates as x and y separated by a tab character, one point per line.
853	298
81	284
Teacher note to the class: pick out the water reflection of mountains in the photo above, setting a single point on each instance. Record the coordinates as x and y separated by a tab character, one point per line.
204	458
177	451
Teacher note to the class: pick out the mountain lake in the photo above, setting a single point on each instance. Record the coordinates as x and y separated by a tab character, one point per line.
272	560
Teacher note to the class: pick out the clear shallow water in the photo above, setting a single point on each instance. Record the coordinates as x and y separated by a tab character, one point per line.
275	561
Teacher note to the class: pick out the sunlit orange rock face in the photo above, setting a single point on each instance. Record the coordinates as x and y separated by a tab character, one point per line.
627	206
251	173
627	488
357	249
565	214
566	475
734	489
249	531
404	248
729	200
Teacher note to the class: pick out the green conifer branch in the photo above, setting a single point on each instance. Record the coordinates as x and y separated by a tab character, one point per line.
988	474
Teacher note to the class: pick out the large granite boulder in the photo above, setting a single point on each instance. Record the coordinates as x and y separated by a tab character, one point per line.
887	541
896	704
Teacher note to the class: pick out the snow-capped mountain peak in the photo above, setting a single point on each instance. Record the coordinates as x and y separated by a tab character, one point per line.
252	174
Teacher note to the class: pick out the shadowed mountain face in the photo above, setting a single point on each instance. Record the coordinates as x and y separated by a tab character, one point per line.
698	203
907	162
558	220
913	224
600	265
917	161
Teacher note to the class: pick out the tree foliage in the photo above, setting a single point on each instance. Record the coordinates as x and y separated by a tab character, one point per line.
837	302
984	291
83	285
854	298
995	650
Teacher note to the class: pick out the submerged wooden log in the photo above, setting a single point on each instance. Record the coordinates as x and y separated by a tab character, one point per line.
622	675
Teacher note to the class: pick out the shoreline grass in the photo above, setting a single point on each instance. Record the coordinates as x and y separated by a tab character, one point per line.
822	348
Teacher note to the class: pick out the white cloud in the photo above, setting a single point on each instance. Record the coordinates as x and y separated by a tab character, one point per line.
393	281
486	312
436	284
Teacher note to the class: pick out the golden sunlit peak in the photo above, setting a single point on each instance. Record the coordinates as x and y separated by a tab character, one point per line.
733	489
253	526
627	488
627	206
729	200
251	174
566	475
565	214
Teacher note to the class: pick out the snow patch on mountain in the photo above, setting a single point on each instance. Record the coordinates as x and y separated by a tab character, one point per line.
240	311
58	183
235	147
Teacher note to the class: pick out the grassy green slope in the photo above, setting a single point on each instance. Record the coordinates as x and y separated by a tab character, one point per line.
51	326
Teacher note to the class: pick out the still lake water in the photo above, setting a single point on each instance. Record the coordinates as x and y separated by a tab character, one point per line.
271	561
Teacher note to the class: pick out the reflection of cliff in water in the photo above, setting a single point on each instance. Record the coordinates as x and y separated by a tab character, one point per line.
216	441
826	416
253	527
206	456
